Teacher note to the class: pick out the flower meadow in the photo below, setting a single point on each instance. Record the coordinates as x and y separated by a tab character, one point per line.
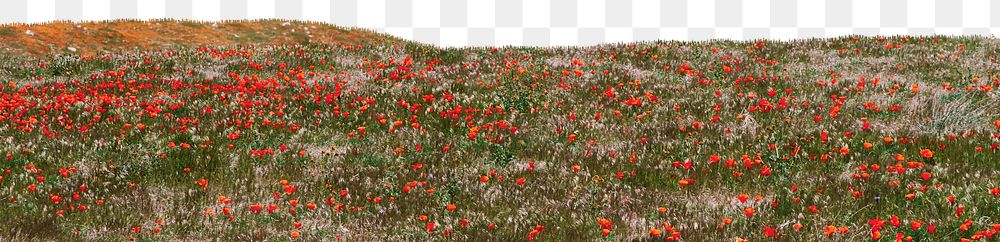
843	139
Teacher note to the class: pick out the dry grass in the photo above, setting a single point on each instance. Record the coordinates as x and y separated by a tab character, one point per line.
89	38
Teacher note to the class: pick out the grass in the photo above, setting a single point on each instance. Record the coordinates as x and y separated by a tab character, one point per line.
702	141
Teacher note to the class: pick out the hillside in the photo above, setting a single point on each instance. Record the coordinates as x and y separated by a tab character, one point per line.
92	37
841	139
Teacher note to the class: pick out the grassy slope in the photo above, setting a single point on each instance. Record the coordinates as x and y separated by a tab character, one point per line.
141	177
94	37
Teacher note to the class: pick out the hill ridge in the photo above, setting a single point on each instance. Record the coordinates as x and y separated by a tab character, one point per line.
92	37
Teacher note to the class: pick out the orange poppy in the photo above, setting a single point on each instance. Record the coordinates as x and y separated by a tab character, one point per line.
926	153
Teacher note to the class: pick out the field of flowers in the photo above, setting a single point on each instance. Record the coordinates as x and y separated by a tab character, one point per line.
853	138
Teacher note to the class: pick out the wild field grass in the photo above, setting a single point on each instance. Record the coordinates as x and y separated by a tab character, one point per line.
846	139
